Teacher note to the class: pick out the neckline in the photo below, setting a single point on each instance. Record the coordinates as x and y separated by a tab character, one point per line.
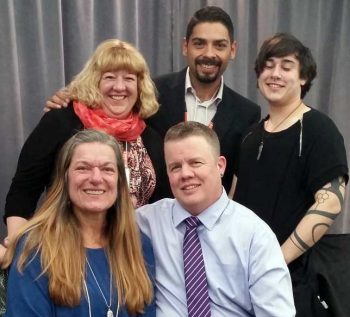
95	250
208	216
284	131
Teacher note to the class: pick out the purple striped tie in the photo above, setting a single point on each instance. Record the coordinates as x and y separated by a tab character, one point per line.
195	277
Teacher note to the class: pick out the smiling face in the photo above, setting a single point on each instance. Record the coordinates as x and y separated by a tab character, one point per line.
208	51
120	92
280	82
92	179
194	172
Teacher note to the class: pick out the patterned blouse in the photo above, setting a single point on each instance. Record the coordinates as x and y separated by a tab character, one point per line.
142	180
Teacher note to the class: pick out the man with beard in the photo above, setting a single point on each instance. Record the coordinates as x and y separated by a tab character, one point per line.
198	92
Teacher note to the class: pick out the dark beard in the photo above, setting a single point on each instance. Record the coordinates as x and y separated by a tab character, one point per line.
207	79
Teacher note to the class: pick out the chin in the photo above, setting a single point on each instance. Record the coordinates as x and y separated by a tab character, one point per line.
207	79
194	206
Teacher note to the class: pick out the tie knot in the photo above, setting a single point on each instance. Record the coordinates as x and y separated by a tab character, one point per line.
192	222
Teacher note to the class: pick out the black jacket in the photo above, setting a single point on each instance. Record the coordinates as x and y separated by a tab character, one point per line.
234	115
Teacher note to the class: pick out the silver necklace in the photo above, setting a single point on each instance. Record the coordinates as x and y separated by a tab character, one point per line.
109	311
261	146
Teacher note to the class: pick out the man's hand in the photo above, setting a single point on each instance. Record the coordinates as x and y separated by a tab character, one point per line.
58	100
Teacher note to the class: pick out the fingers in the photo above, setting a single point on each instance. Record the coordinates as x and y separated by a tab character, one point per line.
2	252
58	100
6	242
63	95
52	105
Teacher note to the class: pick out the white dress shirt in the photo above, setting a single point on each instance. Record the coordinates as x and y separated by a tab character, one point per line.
246	271
201	111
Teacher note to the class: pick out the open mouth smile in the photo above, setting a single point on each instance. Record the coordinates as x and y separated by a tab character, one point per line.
94	191
118	97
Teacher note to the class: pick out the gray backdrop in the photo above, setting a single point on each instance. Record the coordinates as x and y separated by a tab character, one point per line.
45	42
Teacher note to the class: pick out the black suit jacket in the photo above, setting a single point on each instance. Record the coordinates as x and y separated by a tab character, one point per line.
234	115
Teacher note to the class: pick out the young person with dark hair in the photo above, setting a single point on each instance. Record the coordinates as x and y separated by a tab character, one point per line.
293	167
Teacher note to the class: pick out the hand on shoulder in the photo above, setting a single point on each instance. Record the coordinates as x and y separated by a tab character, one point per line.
58	100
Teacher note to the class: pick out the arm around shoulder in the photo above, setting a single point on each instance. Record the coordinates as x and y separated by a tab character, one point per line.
58	100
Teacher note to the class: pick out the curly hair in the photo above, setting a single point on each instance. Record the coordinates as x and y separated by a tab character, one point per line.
113	55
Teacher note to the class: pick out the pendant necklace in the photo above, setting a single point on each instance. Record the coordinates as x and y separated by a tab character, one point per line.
261	145
109	310
127	169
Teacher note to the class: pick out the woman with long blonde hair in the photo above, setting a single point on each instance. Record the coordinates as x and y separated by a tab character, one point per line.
81	254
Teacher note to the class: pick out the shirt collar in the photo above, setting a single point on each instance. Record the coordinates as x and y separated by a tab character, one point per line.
190	89
208	217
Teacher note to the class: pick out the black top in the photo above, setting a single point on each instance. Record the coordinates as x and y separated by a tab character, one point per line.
294	164
38	155
234	115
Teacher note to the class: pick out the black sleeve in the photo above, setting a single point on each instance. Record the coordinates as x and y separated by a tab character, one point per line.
326	157
36	161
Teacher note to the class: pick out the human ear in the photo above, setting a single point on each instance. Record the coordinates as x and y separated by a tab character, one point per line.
184	46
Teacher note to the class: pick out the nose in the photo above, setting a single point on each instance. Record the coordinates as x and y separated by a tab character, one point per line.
119	84
210	51
96	176
276	72
186	172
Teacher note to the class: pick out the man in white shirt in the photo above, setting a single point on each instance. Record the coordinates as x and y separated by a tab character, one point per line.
245	269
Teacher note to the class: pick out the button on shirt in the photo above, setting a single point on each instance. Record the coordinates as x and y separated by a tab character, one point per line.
201	111
246	271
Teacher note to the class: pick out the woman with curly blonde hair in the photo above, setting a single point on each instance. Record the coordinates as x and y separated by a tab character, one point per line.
113	93
81	254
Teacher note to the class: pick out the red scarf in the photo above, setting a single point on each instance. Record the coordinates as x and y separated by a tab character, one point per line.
128	129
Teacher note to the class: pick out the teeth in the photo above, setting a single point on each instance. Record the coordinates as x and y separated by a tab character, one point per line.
191	187
208	65
274	85
117	97
94	192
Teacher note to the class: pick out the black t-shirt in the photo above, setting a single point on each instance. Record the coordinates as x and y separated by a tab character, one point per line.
294	164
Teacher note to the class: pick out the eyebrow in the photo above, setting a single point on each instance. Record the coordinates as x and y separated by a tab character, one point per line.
173	163
88	163
289	61
284	60
205	40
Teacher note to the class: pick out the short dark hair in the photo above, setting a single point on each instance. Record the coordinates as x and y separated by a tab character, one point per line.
210	14
283	44
187	129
